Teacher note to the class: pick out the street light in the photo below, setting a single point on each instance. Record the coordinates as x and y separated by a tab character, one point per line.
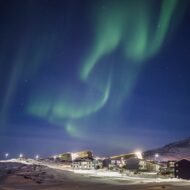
54	157
139	154
74	156
156	155
6	155
20	155
37	157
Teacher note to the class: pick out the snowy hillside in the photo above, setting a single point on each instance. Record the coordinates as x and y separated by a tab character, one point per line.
172	151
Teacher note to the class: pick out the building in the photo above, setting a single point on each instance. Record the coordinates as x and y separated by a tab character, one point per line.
82	164
170	168
128	161
171	164
106	162
149	166
87	164
127	156
82	155
65	157
115	164
182	169
132	164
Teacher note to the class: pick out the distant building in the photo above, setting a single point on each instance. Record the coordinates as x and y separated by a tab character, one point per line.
86	154
106	162
132	164
170	168
171	164
87	164
115	164
65	157
182	169
128	161
127	156
149	166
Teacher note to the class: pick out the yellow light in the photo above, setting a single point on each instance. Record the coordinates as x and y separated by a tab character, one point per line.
139	154
74	156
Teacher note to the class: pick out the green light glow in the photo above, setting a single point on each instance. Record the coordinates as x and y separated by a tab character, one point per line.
144	43
130	24
67	107
108	35
128	27
75	130
132	27
167	11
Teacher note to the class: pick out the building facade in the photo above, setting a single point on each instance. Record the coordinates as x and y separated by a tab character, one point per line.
182	169
87	164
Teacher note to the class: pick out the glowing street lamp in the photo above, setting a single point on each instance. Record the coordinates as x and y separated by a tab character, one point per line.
74	156
139	154
54	157
20	155
6	155
37	157
156	155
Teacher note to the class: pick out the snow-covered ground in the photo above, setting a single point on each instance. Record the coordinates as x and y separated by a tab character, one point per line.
108	176
133	179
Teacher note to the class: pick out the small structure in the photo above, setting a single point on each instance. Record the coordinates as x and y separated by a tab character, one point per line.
106	162
128	161
86	154
115	164
149	166
171	164
65	157
170	168
127	156
132	164
86	164
182	169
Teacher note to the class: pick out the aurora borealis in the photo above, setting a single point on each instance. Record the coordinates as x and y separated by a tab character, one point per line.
79	74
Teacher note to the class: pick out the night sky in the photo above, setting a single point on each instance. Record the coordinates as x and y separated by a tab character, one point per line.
111	76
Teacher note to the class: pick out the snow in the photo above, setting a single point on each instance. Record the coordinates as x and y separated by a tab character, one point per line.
103	174
133	179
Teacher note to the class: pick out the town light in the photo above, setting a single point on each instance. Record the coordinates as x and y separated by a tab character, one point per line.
54	157
139	154
37	157
97	158
156	155
20	155
6	155
74	156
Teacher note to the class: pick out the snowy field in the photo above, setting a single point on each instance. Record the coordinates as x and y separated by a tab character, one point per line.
33	174
133	179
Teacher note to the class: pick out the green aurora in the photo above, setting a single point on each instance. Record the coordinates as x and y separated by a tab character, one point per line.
130	26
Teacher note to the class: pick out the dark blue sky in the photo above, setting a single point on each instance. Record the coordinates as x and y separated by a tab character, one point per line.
111	76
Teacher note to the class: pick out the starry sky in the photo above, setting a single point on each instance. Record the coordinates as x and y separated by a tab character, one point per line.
111	76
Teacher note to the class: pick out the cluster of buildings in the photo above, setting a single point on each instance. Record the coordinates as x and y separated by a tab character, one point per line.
133	162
